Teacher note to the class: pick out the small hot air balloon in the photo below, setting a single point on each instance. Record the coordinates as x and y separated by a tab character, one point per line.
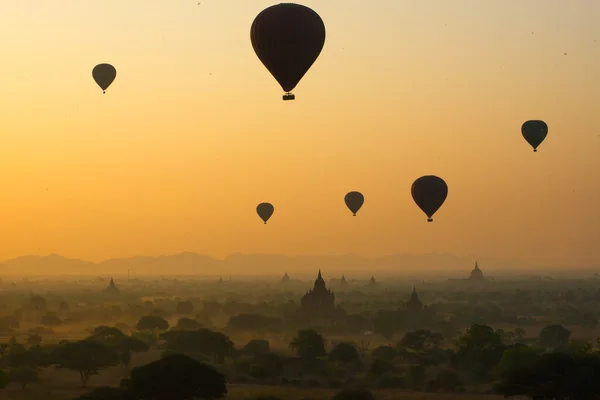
354	201
265	210
288	39
429	192
104	75
534	132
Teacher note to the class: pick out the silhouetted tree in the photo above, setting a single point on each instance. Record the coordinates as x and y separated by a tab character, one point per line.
420	340
580	347
480	350
256	347
554	336
308	344
379	367
517	357
415	376
125	357
344	353
215	345
558	376
152	323
86	357
118	342
447	379
175	377
3	379
107	335
271	363
479	337
23	376
15	353
385	353
519	334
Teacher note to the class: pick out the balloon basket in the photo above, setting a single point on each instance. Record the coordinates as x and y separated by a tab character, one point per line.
535	150
429	219
288	96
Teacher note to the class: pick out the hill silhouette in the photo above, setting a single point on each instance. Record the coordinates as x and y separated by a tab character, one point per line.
439	264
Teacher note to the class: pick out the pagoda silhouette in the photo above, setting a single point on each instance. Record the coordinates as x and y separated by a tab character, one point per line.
476	274
112	288
414	304
318	301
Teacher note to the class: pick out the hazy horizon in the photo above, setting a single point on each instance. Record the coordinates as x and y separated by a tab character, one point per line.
256	266
193	133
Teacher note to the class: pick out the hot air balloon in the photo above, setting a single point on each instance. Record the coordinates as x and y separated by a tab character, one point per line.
288	39
354	201
104	75
534	132
265	210
429	192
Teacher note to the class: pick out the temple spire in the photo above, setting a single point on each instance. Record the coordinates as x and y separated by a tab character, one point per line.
477	274
414	303
319	282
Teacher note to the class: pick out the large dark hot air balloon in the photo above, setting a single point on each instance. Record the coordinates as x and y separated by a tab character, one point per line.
534	132
429	192
288	38
354	201
104	75
265	210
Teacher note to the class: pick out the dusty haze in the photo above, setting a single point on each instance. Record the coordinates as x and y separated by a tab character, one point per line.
273	266
193	134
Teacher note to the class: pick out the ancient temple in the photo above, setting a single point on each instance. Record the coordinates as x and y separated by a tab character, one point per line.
476	274
112	288
319	301
343	281
285	278
414	304
372	282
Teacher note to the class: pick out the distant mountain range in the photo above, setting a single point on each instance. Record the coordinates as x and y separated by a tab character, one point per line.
353	266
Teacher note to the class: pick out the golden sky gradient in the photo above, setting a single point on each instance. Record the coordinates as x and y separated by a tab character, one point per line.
193	133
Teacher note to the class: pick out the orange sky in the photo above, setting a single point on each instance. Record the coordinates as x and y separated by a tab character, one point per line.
193	133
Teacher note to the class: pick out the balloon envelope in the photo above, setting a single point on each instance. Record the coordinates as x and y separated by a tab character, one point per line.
288	39
104	75
265	210
534	132
354	201
429	192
